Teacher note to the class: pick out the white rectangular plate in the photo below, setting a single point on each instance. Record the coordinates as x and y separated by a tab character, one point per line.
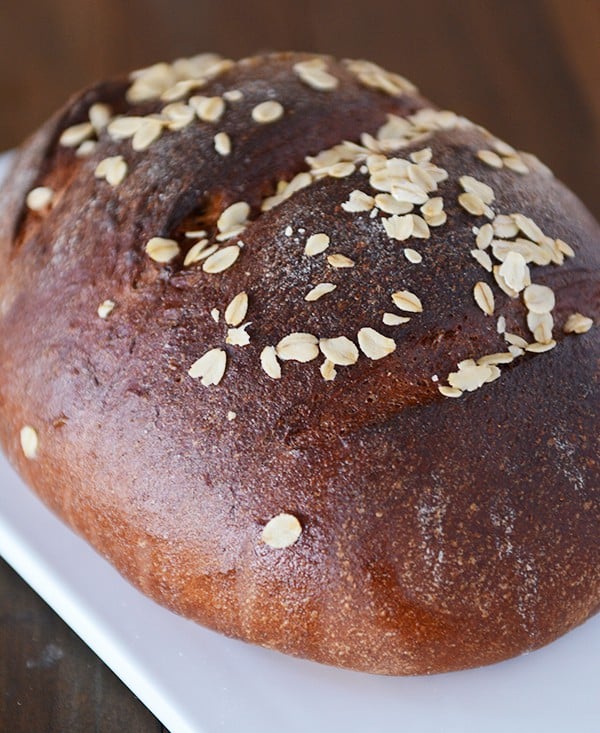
196	681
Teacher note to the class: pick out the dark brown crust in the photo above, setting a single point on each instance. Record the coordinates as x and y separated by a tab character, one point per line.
437	533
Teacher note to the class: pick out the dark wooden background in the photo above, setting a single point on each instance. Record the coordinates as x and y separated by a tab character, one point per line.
527	69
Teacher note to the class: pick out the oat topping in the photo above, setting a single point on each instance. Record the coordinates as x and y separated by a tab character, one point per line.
504	226
578	323
215	314
177	115
399	227
515	272
122	128
433	207
484	297
539	298
162	250
515	163
404	300
316	244
420	227
374	77
76	134
86	148
516	350
181	89
30	442
490	158
199	251
474	205
233	95
529	228
484	236
285	189
358	201
209	368
392	319
421	156
268	360
266	112
231	415
413	256
233	220
403	191
39	199
470	376
513	277
512	159
298	346
237	309
503	148
501	357
315	74
537	348
471	185
281	531
374	344
328	371
387	204
341	170
483	258
221	260
222	143
436	220
449	391
106	308
99	115
174	81
540	325
502	284
113	170
515	340
208	109
495	373
340	350
502	156
149	131
565	248
340	261
205	252
238	336
319	291
530	251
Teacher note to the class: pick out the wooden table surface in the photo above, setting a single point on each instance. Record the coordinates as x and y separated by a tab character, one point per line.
529	70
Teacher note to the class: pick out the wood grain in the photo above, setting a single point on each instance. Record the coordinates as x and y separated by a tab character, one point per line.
50	681
530	71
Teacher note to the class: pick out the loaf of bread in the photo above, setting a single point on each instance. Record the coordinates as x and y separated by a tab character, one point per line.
309	360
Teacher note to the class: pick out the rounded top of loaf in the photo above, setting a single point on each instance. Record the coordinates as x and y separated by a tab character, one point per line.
292	322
